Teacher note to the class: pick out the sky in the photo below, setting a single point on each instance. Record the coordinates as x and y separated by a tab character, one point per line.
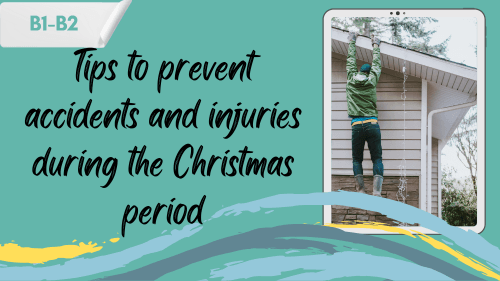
463	32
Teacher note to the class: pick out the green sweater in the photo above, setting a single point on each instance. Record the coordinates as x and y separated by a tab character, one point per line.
361	87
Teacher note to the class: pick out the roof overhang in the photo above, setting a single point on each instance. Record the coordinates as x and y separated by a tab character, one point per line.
449	74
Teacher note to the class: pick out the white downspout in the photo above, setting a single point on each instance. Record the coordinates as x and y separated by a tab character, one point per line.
429	147
441	144
423	148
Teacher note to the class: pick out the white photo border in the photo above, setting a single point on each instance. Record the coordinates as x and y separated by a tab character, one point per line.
481	102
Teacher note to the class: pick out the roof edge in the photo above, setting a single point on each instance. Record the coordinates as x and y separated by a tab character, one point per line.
411	50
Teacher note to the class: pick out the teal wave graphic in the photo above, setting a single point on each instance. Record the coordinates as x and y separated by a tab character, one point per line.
290	256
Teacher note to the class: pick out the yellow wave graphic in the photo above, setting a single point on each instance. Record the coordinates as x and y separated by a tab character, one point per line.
114	240
11	252
472	263
372	225
463	259
14	253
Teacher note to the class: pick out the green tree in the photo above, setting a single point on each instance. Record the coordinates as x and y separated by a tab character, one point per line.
408	32
458	203
424	46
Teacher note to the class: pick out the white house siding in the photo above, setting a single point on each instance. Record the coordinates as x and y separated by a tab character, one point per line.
390	106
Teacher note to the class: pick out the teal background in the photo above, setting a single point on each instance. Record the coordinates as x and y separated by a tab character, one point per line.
52	211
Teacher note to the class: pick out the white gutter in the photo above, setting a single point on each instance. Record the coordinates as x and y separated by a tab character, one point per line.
429	147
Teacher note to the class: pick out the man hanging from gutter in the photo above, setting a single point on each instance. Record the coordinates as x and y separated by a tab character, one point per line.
362	108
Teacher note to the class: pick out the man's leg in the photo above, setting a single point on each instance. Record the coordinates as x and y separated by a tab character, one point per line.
374	140
358	145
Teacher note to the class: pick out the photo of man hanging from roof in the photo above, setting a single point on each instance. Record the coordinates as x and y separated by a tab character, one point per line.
361	94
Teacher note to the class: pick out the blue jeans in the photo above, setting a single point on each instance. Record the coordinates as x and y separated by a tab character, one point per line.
369	133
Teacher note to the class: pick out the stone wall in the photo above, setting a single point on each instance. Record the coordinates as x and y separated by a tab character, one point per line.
349	215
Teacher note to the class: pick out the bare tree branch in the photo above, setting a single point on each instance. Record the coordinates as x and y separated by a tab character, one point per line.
465	140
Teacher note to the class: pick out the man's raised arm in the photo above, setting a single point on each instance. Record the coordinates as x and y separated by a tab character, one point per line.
376	69
352	68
